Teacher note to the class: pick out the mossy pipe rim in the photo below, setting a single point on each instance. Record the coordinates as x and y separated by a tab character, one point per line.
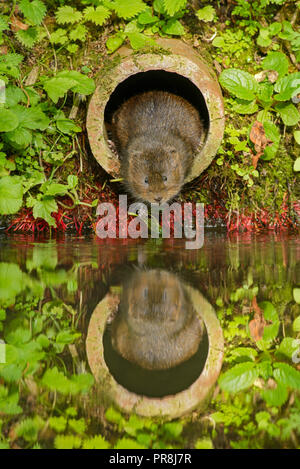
176	57
168	407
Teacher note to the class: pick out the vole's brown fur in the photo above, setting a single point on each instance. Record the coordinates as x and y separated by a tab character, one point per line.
157	135
156	326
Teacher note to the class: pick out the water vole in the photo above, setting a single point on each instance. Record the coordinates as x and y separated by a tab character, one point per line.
157	135
156	326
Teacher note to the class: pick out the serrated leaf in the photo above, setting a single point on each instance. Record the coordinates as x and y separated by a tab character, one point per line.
67	442
238	378
239	83
286	375
275	397
34	11
79	33
288	113
59	37
8	120
57	87
29	37
44	208
67	126
287	87
297	136
276	61
98	442
3	24
245	107
206	14
83	84
174	6
31	118
97	15
68	14
128	9
11	195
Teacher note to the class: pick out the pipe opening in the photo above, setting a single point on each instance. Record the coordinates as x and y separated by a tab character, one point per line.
158	80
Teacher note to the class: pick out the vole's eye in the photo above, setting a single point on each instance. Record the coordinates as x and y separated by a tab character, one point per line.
165	178
146	180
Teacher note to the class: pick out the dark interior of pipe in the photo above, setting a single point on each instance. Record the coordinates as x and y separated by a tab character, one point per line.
157	80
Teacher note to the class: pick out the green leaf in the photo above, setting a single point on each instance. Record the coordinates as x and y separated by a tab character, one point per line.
44	208
34	11
296	166
72	181
68	14
97	16
67	126
174	6
29	37
147	18
272	131
31	118
287	348
67	337
67	442
57	87
297	136
172	430
238	378
79	33
276	61
239	83
83	84
113	416
173	27
128	9
288	113
53	189
287	87
275	397
204	443
98	442
286	375
114	42
241	106
128	443
11	195
59	37
296	291
8	120
206	14
140	41
296	324
3	24
59	424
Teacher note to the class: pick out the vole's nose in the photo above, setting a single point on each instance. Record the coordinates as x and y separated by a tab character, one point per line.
158	199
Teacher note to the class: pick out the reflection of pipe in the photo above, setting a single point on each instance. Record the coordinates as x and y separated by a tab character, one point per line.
170	406
175	57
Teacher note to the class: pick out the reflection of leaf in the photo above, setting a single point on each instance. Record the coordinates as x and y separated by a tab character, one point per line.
11	281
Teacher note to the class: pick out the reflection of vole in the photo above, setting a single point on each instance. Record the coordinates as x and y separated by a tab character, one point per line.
156	326
157	134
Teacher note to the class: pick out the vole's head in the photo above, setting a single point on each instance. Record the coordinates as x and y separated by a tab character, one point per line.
155	174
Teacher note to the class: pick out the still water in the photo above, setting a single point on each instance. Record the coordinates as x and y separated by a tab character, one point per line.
147	328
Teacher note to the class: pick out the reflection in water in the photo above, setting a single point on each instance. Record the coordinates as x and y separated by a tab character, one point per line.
49	290
159	343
